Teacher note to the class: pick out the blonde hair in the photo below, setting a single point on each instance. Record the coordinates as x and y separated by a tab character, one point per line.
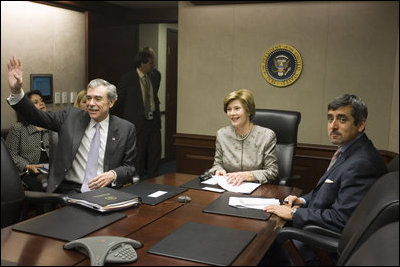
245	97
79	97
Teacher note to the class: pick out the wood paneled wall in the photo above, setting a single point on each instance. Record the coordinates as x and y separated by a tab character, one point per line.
195	155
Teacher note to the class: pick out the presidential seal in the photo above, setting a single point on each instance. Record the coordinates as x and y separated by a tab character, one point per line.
281	65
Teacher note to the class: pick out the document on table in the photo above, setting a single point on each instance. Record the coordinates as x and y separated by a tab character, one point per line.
252	202
211	181
245	187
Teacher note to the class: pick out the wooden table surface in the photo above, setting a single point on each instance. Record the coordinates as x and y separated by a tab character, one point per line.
150	224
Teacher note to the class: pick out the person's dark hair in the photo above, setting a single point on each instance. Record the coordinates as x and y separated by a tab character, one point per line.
359	110
20	118
143	56
34	92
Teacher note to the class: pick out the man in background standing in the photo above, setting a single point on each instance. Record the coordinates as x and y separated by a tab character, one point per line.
139	104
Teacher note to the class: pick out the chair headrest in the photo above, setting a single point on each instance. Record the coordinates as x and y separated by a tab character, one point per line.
394	164
284	123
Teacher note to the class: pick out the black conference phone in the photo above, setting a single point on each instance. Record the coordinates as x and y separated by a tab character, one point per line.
106	249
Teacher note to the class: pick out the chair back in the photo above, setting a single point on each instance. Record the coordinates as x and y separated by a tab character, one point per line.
12	192
285	124
380	249
379	206
393	165
53	143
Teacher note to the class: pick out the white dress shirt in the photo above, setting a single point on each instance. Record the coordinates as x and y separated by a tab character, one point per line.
77	172
142	86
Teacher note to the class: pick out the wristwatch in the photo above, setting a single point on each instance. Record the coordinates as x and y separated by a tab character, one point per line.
293	211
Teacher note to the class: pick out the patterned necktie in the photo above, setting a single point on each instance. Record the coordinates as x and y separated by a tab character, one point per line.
147	105
334	158
93	159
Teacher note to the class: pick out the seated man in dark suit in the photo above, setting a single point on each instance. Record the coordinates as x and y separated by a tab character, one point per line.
112	164
354	168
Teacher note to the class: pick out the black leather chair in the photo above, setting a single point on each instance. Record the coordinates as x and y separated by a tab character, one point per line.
13	195
380	249
12	192
379	206
393	165
285	124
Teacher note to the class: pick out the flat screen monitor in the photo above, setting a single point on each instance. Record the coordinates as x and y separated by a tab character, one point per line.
43	83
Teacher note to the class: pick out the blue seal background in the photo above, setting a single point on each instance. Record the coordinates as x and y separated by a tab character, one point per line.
272	70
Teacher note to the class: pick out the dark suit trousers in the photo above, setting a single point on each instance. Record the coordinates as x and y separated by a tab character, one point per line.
148	150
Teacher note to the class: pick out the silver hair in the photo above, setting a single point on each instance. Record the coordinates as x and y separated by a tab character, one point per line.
111	89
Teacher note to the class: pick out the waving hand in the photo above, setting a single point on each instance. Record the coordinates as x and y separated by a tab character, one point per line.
15	75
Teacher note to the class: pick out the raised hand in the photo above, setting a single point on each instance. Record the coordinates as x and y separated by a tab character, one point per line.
15	75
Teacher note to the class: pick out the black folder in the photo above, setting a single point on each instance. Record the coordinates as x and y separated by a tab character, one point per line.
204	243
68	223
221	206
196	183
144	189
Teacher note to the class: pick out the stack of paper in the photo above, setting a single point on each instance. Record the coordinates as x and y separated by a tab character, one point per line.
245	187
252	202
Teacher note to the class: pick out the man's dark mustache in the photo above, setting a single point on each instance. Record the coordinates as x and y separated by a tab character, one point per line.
336	132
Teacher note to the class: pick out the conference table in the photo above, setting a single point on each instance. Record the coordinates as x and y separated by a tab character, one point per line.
150	224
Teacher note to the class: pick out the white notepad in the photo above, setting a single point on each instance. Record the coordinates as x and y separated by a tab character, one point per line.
245	187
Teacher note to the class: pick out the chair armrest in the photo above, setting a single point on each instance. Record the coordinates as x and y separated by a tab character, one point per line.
327	243
43	197
321	231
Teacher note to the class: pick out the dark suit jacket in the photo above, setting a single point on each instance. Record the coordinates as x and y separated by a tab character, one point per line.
70	124
340	189
130	100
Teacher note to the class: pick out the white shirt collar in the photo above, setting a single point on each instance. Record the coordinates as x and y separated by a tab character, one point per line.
141	74
103	124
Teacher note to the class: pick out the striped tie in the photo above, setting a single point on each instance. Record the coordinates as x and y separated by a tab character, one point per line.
93	159
147	105
334	158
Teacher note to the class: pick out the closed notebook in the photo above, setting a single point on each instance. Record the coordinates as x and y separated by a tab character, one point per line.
151	193
204	243
221	206
68	223
104	199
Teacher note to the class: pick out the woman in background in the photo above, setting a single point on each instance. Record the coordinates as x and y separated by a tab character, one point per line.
80	101
29	147
244	151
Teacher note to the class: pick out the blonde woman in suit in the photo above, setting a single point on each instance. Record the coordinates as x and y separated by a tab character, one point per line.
244	151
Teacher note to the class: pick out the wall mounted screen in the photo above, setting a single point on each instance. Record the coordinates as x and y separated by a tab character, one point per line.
43	83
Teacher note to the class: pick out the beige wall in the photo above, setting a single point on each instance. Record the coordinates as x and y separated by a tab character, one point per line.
346	47
48	40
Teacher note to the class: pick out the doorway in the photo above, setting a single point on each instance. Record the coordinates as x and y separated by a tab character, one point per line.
171	85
